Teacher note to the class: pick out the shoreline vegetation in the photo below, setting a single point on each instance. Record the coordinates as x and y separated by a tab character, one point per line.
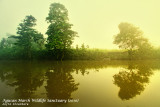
80	54
30	44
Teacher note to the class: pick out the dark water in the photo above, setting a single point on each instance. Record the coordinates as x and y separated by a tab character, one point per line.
80	83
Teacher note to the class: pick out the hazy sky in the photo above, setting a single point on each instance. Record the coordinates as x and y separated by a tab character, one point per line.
96	21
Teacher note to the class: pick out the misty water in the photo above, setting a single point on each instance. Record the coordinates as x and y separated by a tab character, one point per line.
82	83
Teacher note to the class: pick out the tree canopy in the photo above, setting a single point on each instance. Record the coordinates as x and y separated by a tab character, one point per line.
60	34
131	38
28	37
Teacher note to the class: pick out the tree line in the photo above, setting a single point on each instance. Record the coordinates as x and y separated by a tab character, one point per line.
28	43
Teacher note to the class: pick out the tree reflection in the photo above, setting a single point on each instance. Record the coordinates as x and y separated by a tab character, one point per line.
60	82
132	81
25	77
57	77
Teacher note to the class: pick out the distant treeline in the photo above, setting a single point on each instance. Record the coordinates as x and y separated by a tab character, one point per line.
30	44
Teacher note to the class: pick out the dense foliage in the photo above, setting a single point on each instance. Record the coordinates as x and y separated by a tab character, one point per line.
60	35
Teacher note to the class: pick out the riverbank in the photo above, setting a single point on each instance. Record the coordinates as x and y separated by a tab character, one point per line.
79	54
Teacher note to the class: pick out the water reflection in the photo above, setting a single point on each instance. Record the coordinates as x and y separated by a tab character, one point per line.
132	80
58	81
28	76
22	77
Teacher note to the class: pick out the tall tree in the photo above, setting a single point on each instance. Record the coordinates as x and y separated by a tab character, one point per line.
27	36
60	34
131	38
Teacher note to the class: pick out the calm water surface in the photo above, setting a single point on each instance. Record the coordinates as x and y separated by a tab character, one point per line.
85	83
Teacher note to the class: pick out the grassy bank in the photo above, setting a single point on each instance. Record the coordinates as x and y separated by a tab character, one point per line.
79	54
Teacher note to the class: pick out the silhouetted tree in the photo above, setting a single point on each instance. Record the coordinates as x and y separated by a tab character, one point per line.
60	35
130	38
27	36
